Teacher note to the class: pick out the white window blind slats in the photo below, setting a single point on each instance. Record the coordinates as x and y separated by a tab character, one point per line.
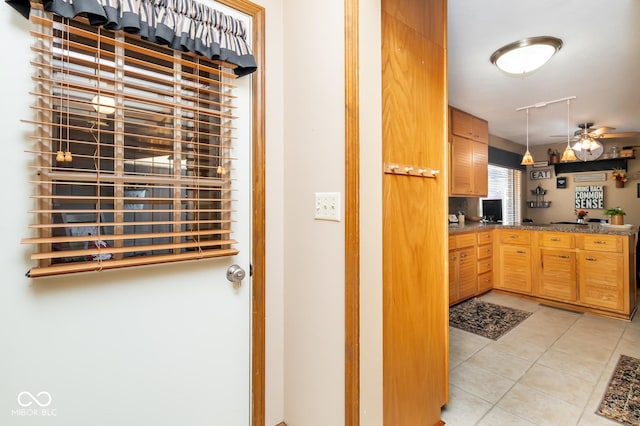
133	147
505	184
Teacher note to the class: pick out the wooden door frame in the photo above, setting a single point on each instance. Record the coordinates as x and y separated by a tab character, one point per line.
258	164
352	213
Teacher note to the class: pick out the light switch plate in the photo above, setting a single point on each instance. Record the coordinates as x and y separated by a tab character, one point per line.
327	206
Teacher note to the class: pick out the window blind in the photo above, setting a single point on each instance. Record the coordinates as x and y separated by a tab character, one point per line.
132	152
506	184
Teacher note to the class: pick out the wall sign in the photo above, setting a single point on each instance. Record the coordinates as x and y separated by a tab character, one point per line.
540	174
589	197
561	182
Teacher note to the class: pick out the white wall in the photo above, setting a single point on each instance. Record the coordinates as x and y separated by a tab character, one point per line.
563	200
313	250
121	347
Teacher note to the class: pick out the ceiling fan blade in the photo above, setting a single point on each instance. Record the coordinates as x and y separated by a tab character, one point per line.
618	135
600	131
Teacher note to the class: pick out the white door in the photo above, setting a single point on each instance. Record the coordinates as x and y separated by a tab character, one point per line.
231	311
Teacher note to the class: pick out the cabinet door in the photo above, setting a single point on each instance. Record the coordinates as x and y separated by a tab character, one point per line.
468	276
558	278
461	124
515	268
480	130
454	294
461	166
485	282
601	279
480	169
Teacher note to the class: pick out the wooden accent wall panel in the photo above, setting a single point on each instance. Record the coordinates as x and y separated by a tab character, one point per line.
415	291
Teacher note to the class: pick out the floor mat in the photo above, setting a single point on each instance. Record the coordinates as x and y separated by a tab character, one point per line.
621	401
484	318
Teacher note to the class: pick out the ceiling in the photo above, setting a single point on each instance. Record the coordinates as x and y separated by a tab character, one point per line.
599	64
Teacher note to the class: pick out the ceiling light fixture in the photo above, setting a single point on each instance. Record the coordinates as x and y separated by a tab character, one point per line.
527	158
568	154
525	56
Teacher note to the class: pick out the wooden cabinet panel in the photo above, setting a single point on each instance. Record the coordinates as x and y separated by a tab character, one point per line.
485	265
485	237
556	239
601	278
461	154
485	282
454	293
515	268
466	240
596	242
485	251
558	276
470	127
515	236
467	273
469	167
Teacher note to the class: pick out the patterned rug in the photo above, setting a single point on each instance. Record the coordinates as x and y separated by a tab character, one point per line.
621	401
484	318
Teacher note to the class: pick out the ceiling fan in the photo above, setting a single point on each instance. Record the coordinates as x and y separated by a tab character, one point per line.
601	132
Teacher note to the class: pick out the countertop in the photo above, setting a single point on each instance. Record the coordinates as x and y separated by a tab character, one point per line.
589	228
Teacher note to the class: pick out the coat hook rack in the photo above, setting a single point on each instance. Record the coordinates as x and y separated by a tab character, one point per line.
410	170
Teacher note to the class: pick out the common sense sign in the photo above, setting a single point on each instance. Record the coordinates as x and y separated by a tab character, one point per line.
590	197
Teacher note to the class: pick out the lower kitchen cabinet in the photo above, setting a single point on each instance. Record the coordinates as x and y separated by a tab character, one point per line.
601	278
557	279
515	272
462	267
591	272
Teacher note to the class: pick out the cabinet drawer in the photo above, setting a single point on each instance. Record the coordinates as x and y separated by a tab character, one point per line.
485	251
485	281
485	237
485	265
513	236
466	240
610	243
452	242
557	240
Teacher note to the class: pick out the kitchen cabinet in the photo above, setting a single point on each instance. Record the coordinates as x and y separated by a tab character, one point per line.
514	258
467	126
485	261
463	281
591	272
469	161
601	271
557	277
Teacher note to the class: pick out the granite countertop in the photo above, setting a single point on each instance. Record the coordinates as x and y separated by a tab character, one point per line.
590	228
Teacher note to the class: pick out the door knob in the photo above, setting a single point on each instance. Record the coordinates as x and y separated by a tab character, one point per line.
236	274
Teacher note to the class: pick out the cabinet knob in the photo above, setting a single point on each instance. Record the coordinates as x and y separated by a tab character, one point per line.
600	242
555	239
521	252
590	259
564	256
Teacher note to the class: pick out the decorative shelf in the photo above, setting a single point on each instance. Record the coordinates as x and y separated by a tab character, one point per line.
592	166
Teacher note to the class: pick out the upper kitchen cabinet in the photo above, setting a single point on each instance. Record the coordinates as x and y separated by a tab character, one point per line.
468	155
467	126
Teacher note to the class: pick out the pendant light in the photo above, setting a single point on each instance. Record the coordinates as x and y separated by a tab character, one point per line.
527	158
568	154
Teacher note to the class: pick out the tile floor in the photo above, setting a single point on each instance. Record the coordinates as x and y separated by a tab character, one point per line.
552	369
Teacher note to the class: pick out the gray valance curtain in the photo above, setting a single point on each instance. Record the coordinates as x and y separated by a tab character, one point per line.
185	25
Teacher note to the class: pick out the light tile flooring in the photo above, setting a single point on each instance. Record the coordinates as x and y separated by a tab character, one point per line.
552	369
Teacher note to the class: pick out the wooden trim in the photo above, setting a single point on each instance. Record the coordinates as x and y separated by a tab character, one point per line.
257	14
352	215
281	424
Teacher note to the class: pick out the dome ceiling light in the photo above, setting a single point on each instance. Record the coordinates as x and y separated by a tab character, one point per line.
525	56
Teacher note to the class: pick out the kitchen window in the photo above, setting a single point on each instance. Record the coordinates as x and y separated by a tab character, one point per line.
132	153
506	184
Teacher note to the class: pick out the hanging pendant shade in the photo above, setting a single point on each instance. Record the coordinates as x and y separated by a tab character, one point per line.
569	154
527	158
